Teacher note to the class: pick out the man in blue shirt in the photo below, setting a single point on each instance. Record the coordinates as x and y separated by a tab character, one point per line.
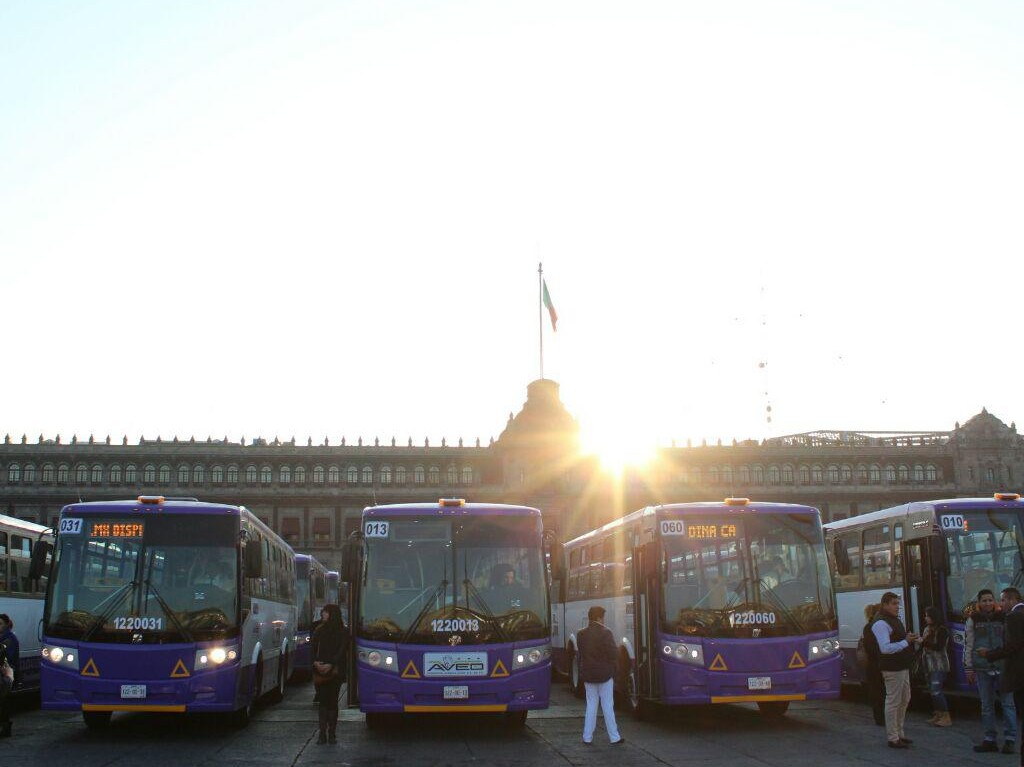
896	654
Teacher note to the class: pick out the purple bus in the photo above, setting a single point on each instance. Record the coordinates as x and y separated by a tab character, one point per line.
167	606
449	605
711	603
937	553
311	596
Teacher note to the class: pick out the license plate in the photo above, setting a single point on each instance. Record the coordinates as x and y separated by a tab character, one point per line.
133	691
759	683
456	692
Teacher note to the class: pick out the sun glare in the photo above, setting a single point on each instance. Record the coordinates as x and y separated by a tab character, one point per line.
618	450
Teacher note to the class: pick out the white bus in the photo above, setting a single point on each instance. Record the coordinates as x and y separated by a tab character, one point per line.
21	596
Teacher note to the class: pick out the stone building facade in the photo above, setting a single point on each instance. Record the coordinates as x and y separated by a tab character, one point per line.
313	494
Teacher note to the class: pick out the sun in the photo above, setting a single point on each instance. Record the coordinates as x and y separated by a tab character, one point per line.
617	449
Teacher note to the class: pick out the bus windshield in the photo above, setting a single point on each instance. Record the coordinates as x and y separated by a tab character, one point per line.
145	579
985	555
427	580
747	575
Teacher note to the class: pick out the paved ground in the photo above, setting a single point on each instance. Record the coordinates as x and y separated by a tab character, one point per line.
838	733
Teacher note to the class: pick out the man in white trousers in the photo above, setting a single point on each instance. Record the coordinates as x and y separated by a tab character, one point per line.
598	657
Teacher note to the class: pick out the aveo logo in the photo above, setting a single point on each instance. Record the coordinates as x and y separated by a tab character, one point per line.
447	664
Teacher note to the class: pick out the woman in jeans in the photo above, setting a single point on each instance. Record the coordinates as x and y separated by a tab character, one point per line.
330	643
984	630
935	642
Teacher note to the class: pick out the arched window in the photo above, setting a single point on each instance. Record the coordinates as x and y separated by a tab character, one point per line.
467	475
352	475
81	474
14	473
333	475
874	473
198	474
804	472
862	474
695	476
774	476
47	473
115	474
451	475
29	474
817	475
285	474
97	474
744	475
385	475
251	474
130	474
758	475
930	473
232	475
266	475
904	473
787	475
890	473
149	474
833	474
217	475
727	475
183	474
367	475
435	475
63	474
318	475
713	475
300	475
400	478
419	476
919	473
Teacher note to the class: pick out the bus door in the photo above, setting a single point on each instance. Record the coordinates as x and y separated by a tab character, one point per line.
646	588
920	581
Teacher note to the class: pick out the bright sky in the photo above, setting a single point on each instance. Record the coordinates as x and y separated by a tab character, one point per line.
263	218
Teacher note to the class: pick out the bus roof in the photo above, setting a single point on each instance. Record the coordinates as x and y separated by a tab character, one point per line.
482	509
942	504
715	507
165	506
21	524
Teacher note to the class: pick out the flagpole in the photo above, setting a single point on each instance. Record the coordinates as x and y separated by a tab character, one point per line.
540	313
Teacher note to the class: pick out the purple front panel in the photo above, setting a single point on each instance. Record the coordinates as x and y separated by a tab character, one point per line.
167	671
387	691
730	665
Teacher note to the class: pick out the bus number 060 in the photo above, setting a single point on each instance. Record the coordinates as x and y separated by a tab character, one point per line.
752	618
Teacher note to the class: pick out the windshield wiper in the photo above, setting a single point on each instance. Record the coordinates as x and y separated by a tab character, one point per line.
769	592
167	610
438	589
487	614
115	600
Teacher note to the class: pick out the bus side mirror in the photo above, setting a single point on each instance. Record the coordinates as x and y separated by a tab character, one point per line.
553	552
937	554
253	559
350	552
37	566
650	559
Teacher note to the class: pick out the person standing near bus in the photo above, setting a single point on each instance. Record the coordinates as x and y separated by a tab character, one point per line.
330	643
984	630
12	648
935	642
1012	679
874	685
896	655
598	657
7	666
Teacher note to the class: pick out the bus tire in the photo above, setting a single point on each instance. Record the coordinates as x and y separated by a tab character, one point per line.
241	717
773	708
575	680
277	694
639	708
96	720
516	720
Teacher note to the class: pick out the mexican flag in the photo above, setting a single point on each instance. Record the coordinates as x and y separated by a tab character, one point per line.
551	307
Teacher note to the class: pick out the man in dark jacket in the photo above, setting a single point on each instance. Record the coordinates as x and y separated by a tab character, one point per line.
895	656
598	657
1012	650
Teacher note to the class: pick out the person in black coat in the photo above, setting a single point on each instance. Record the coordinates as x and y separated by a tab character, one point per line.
330	648
874	685
1012	650
598	657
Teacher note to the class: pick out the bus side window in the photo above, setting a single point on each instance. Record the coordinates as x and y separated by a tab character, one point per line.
897	559
21	548
596	570
877	556
574	575
851	545
3	562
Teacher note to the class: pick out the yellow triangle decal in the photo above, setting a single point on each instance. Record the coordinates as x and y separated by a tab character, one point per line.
499	669
90	669
797	661
411	672
180	670
718	664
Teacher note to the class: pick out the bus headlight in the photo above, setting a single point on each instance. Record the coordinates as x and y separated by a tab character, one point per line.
822	648
211	657
382	660
524	657
687	653
65	657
